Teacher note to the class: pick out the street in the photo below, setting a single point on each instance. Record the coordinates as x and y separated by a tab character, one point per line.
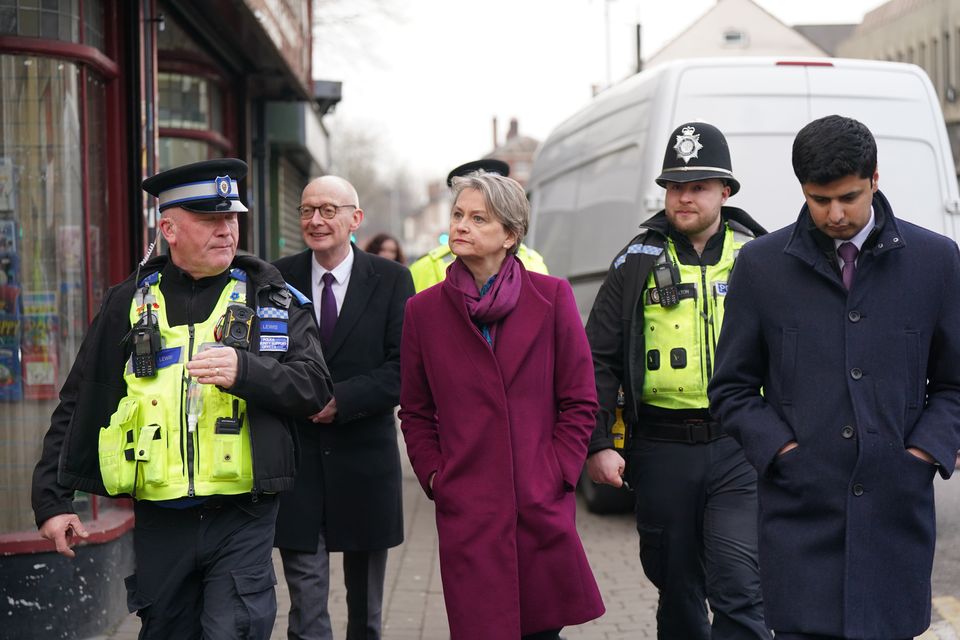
413	598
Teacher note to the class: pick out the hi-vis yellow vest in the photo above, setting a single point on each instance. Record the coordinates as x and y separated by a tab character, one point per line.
681	340
432	268
147	450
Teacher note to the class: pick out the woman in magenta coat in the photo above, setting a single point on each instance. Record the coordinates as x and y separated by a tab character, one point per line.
497	405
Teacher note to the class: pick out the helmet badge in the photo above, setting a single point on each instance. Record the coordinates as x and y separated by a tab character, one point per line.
688	145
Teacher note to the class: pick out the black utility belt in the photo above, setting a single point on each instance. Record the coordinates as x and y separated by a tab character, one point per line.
690	432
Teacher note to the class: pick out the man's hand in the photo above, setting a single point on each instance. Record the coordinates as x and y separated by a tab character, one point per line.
790	446
327	414
923	455
63	530
215	366
606	467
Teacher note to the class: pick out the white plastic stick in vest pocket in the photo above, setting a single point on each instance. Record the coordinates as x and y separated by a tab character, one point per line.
193	404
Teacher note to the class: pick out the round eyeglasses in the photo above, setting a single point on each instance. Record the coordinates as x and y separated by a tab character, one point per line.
327	211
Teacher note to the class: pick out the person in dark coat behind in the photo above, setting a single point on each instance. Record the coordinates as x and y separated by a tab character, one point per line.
348	494
848	321
497	404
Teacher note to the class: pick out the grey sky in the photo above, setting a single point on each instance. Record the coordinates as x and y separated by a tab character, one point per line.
428	79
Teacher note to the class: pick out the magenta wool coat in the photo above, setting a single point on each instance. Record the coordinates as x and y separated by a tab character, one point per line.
506	432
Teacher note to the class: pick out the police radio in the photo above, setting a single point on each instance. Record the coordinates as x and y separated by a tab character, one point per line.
666	275
236	325
146	345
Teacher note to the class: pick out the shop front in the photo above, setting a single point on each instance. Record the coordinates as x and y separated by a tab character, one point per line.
94	96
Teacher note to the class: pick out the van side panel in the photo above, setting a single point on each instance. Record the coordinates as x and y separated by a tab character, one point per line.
898	105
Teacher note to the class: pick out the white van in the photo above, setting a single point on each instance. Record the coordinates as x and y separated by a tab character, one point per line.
592	181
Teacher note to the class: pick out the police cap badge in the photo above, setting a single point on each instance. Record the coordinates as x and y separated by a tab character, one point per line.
209	186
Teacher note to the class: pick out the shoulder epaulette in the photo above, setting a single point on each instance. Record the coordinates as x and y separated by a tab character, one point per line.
151	279
302	299
635	247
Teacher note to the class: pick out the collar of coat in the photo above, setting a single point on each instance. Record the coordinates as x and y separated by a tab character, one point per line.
259	272
738	219
811	245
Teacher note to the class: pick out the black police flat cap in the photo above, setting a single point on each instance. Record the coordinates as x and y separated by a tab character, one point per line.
490	165
209	186
697	151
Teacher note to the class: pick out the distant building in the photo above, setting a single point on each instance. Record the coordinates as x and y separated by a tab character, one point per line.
736	28
825	36
517	151
924	32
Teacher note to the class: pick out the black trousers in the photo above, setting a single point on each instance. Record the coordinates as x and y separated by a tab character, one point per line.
696	508
205	571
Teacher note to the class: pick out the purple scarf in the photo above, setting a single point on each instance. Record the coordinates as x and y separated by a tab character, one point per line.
497	302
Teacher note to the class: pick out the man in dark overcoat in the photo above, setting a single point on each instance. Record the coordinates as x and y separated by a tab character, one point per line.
838	369
348	490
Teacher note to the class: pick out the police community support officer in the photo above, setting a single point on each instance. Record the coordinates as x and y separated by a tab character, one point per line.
182	397
432	268
653	330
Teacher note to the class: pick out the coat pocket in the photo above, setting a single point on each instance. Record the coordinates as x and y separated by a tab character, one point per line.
116	449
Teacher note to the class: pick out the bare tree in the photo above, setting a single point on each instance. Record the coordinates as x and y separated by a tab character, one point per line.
343	29
386	195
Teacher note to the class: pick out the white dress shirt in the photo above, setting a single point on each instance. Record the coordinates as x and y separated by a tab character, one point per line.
341	277
857	240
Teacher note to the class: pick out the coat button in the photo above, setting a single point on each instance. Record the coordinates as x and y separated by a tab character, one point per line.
854	316
847	432
326	452
858	490
856	373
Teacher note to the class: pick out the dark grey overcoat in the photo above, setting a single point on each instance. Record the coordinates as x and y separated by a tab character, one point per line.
348	479
847	524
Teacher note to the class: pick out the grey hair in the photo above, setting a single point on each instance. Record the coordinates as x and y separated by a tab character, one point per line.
504	197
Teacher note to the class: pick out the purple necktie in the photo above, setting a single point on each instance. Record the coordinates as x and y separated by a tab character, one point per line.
848	253
328	310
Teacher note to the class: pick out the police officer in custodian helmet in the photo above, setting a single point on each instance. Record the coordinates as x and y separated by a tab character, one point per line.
182	396
653	331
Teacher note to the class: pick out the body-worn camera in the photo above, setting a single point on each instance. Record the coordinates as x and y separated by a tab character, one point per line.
236	326
146	346
666	275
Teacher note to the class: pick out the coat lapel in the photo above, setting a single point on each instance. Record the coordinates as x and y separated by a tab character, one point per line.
363	281
520	329
300	273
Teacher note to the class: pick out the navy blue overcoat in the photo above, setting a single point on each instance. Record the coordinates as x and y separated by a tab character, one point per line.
847	525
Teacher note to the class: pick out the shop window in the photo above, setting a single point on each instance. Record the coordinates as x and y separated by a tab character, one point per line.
185	102
53	20
52	252
190	116
174	152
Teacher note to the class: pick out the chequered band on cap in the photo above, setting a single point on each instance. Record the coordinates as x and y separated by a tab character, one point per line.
206	190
